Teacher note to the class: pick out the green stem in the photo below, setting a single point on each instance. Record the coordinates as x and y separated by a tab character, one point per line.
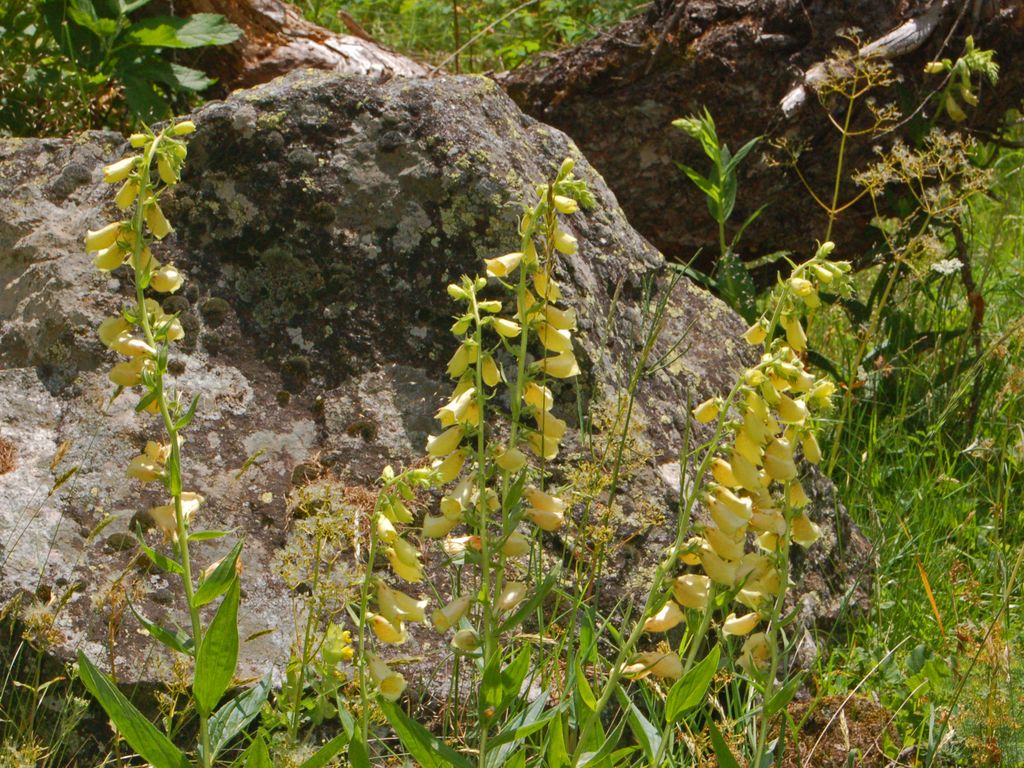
833	208
181	524
307	640
364	606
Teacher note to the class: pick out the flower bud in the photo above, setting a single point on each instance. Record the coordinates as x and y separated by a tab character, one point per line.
457	292
138	140
934	68
516	545
707	411
801	286
565	205
511	595
183	128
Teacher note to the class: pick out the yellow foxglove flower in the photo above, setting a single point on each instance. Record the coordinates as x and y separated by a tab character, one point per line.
690	551
565	243
460	361
739	505
745	472
466	640
550	425
385	631
796	497
803	382
164	516
740	625
707	411
822	393
503	265
386	530
754	654
792	411
544	447
728	547
812	451
692	590
490	371
391	684
396	511
406	552
167	279
538	396
541	500
456	545
156	221
546	286
447	617
565	205
127	374
553	339
721	470
510	460
449	468
724	517
755	428
493	306
778	460
111	328
795	335
516	545
561	366
505	327
130	346
755	334
721	571
801	286
545	519
663	665
455	411
439	526
110	258
409	572
823	273
166	172
747	448
144	469
145	261
120	170
805	532
768	521
561	319
138	140
159	452
183	128
769	541
125	196
530	307
666	618
446	442
511	596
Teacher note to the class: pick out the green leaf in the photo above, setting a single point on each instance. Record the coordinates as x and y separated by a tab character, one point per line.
528	721
325	754
141	734
257	755
172	32
218	653
176	640
207	535
736	159
358	754
84	14
705	185
689	690
584	690
160	561
782	697
722	751
501	685
185	420
608	745
556	755
428	750
218	582
646	735
228	721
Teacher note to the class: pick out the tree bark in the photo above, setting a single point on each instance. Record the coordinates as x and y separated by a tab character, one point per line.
277	39
752	63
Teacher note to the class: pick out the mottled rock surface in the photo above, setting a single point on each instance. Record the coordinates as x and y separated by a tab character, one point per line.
319	221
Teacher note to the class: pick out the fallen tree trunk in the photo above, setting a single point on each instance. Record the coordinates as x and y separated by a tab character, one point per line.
754	64
276	39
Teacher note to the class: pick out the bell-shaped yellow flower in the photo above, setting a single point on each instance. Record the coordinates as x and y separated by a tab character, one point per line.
408	571
553	339
778	460
565	205
128	374
125	197
110	258
447	617
726	546
812	451
721	470
561	366
386	530
748	448
796	497
167	279
538	397
755	334
692	590
158	225
385	631
795	335
754	654
656	663
449	468
545	519
505	327
721	571
667	617
111	328
516	545
466	640
707	411
391	684
565	243
446	442
546	286
144	469
456	409
745	472
792	411
805	532
438	526
510	459
503	265
131	346
561	319
511	595
490	371
740	625
120	170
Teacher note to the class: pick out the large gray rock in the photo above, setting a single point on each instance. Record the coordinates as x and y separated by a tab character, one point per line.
319	221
